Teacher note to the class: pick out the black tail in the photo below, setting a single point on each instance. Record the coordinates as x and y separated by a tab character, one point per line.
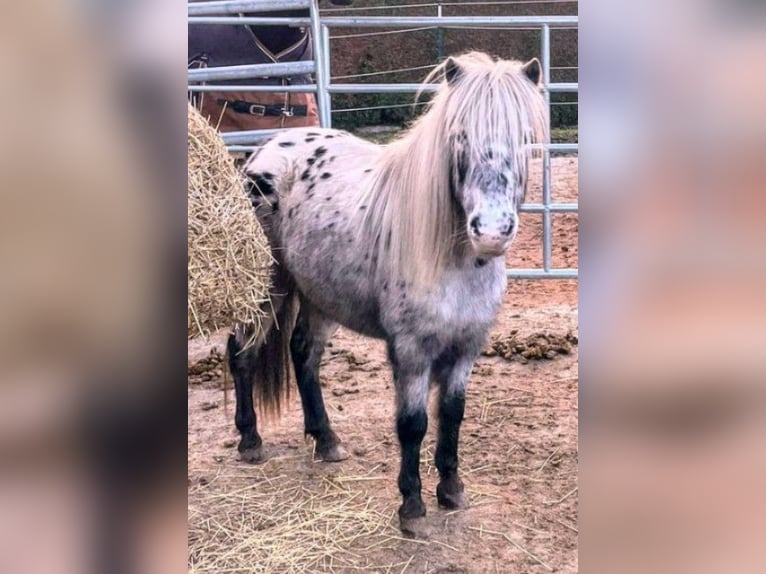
271	371
269	365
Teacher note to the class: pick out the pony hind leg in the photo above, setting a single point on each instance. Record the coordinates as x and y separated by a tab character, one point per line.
247	358
451	372
310	335
242	367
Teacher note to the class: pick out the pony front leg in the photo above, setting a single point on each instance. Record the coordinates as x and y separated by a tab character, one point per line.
411	425
453	379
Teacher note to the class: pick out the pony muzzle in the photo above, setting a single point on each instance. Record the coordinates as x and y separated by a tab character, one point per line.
490	247
491	239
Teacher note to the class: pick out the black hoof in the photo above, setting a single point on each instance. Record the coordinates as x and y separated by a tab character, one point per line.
251	451
412	518
415	527
331	453
253	455
328	447
451	495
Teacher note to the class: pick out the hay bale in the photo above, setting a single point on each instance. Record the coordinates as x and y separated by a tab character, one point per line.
229	257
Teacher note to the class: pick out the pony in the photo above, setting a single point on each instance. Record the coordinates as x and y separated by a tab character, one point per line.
403	243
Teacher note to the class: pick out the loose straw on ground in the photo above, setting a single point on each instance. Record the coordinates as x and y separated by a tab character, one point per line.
483	530
285	527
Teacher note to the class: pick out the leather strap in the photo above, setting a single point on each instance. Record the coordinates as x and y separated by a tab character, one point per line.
256	109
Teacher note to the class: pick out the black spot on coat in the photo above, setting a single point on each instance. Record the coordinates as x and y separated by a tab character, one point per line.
261	185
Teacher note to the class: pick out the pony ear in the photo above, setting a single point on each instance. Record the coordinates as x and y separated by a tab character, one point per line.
533	71
452	70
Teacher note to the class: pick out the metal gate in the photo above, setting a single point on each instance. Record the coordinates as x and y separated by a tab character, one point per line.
226	12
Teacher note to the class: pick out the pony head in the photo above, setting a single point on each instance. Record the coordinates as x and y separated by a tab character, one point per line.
456	178
496	111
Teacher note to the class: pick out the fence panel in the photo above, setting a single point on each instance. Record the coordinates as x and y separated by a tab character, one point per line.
202	13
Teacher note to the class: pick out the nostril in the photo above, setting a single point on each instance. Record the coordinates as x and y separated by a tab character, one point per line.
475	225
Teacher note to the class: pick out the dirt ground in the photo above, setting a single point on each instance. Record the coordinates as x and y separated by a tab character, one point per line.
518	448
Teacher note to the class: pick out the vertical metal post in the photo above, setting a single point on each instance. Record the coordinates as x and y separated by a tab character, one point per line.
546	62
319	73
439	36
325	34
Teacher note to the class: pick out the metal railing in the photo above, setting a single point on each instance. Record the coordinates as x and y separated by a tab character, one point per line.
201	13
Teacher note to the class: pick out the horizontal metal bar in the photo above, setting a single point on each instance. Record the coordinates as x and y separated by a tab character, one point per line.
370	22
553	208
237	6
551	147
540	274
242	148
527	207
380	88
404	88
250	71
294	88
563	87
207	17
249	21
564	147
448	21
244	138
247	137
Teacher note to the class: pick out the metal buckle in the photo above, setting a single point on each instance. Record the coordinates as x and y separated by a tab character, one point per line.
257	110
288	113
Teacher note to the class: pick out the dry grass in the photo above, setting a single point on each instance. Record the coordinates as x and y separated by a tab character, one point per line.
277	524
229	257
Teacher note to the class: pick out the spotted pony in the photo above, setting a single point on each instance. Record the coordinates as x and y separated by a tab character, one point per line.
403	243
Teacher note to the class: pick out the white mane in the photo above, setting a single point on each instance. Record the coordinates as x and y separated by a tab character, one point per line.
490	104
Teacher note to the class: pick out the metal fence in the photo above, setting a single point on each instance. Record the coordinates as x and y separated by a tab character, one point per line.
220	12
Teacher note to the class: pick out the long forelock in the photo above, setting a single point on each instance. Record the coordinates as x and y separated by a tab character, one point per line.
498	110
